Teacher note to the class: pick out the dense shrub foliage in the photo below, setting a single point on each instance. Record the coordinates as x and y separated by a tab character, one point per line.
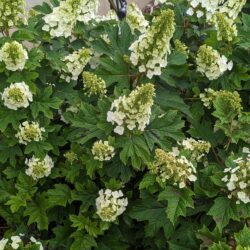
125	134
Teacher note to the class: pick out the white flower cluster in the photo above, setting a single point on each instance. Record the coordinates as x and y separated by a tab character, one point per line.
76	62
232	8
135	18
173	168
203	7
16	242
237	178
110	204
14	56
11	13
102	151
17	95
29	132
150	51
211	64
63	19
198	148
134	111
38	168
110	16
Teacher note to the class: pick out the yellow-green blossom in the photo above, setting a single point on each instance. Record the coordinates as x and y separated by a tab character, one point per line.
181	47
93	85
232	7
102	151
12	12
172	168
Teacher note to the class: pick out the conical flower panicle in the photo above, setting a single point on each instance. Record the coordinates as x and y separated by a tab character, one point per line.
134	111
150	51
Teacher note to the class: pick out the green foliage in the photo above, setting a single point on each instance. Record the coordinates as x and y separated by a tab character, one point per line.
57	202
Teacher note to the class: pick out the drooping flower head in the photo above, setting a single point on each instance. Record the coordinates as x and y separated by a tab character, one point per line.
135	18
181	47
29	132
39	168
171	168
133	111
102	151
237	179
14	56
150	51
11	13
93	85
210	63
76	62
225	27
63	19
17	95
110	204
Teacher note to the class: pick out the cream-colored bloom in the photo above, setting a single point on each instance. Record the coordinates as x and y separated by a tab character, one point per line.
198	148
135	18
171	168
232	8
110	204
76	62
3	243
14	56
16	240
210	63
39	168
150	51
237	179
102	151
134	111
29	132
17	95
63	19
12	12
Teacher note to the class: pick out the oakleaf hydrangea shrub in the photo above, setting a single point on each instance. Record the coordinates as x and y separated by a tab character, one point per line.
125	134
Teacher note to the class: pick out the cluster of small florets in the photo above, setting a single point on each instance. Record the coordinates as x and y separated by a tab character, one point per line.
110	16
181	47
237	178
173	168
198	148
93	85
231	98
39	168
232	8
150	51
210	63
110	204
201	7
70	157
11	13
225	27
76	62
63	19
13	55
135	18
102	151
29	132
17	95
133	111
16	242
